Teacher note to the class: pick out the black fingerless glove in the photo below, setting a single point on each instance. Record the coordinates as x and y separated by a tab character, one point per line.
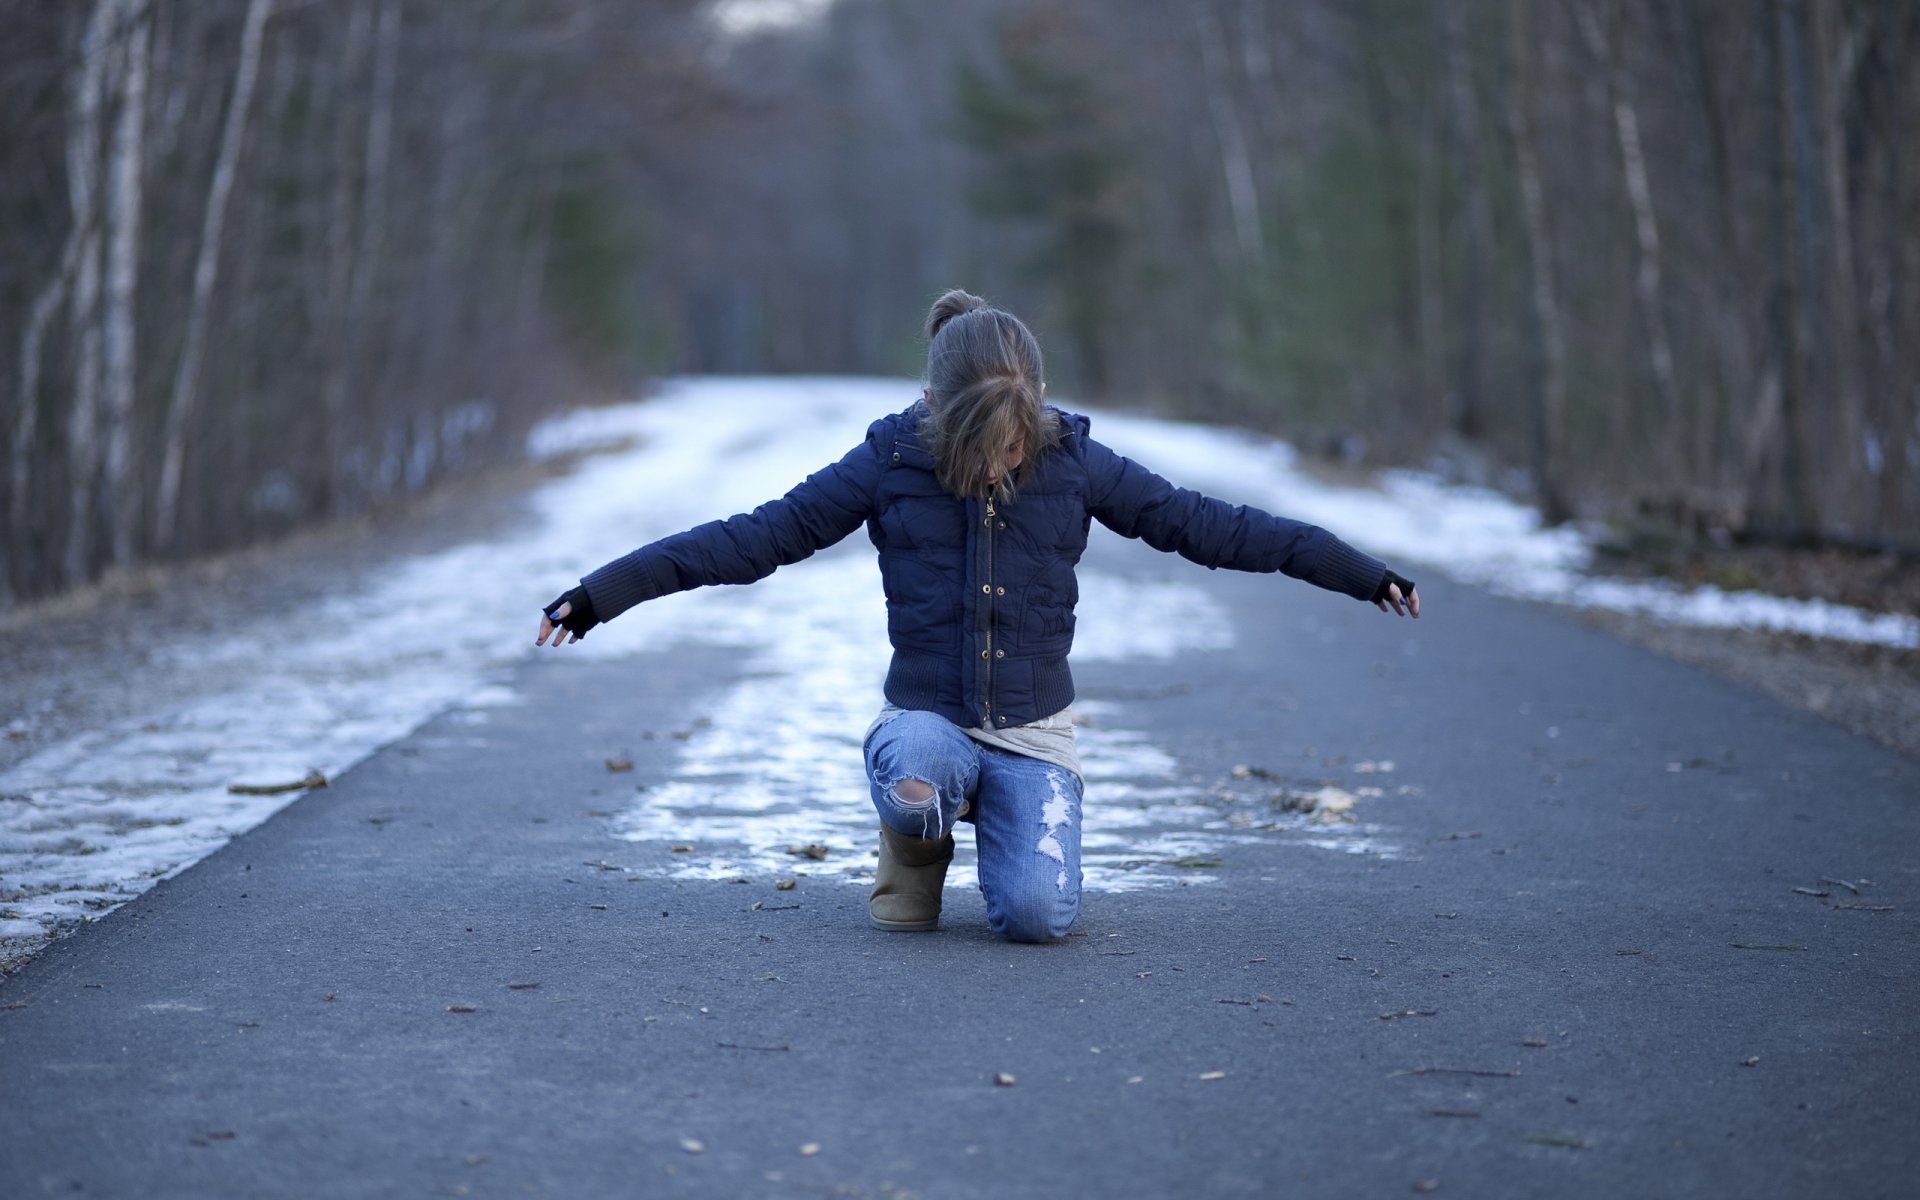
580	617
1380	593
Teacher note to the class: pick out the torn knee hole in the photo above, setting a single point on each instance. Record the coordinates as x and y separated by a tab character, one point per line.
914	793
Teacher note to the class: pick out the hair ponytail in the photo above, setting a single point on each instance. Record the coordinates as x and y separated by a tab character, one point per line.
949	306
984	388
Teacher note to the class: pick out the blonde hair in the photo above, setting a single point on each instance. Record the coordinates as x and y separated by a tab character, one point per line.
984	393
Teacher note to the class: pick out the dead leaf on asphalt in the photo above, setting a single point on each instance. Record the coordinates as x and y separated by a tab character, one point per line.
812	850
620	762
522	987
1535	1043
1555	1139
786	885
682	849
461	1008
1750	1062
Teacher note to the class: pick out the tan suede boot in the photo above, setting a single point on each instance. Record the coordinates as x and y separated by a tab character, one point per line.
908	881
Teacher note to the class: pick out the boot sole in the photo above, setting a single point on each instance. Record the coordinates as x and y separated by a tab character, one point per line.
905	926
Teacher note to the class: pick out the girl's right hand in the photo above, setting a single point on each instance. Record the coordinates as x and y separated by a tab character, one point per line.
567	619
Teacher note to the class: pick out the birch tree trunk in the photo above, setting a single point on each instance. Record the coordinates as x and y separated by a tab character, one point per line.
1549	409
206	269
1602	35
1242	194
83	184
126	177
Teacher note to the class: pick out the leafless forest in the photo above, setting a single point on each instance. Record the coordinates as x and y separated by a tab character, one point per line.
269	262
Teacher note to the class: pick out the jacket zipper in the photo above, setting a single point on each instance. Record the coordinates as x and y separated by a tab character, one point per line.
987	654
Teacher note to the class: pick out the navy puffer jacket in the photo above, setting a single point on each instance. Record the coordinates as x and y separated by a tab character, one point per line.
980	596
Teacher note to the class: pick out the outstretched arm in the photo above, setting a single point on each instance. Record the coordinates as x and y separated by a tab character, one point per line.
1135	502
826	507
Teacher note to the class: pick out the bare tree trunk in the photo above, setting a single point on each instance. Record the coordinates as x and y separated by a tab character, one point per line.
1901	406
1836	57
375	173
206	269
1729	322
26	428
1551	400
1242	194
1429	277
1603	39
1793	196
83	182
127	175
1467	412
337	367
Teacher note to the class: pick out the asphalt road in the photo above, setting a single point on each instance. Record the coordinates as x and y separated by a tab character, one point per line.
1610	953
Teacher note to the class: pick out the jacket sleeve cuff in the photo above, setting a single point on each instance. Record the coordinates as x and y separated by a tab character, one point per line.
1340	568
623	583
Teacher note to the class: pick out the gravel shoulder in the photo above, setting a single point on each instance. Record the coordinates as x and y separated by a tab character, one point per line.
1873	691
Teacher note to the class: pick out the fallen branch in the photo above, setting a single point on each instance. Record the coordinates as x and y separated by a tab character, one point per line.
314	779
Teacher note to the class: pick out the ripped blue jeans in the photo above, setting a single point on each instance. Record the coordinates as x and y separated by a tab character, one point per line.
1025	814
